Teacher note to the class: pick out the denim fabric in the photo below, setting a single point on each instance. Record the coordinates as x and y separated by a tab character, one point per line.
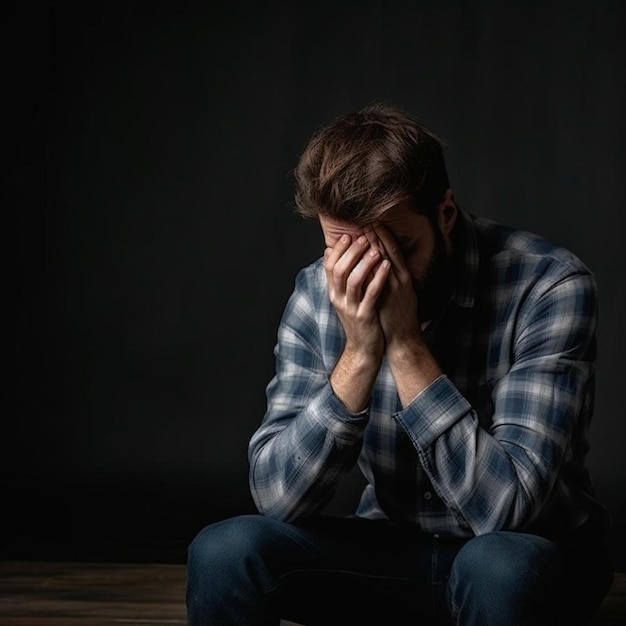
253	570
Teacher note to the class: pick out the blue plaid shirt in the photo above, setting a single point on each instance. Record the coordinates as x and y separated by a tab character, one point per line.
497	442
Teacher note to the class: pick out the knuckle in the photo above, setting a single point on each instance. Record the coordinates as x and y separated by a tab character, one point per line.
360	315
337	275
353	280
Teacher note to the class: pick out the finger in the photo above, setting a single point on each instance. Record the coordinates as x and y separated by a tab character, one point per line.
332	255
376	243
348	260
388	241
368	231
391	247
357	280
376	285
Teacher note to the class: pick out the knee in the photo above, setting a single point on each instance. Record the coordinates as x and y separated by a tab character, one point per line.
503	568
230	564
502	573
504	558
224	542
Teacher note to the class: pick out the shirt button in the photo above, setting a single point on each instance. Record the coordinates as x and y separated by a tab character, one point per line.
428	495
436	535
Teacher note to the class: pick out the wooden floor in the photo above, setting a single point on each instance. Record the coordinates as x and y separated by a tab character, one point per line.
102	594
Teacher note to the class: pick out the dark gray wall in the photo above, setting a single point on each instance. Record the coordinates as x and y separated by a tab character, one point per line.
150	151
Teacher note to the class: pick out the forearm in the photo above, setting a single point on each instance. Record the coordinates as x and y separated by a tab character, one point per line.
494	477
297	459
353	377
413	367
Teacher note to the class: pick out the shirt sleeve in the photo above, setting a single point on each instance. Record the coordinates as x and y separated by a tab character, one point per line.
307	440
500	478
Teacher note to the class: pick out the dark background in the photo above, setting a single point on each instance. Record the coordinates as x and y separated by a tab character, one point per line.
149	154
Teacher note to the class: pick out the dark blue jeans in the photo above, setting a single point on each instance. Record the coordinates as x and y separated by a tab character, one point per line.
253	570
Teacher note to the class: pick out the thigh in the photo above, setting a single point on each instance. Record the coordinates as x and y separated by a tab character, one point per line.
366	572
325	570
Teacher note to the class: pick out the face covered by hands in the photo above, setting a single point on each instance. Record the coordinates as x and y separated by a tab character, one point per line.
399	296
381	280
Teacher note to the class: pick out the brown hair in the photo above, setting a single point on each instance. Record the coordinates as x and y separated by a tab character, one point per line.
367	161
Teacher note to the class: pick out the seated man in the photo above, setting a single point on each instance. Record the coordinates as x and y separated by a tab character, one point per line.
452	358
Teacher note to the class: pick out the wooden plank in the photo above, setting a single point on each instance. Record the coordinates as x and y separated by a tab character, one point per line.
613	609
106	594
73	594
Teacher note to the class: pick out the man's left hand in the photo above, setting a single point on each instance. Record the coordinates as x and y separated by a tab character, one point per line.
398	305
412	364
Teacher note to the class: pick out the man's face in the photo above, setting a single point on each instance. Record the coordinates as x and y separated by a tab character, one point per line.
425	248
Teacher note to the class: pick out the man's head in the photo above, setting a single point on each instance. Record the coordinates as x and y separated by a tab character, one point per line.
379	166
366	162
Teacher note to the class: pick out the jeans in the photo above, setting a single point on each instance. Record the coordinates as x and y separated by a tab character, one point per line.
254	570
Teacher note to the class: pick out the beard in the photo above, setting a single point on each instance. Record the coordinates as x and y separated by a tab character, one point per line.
434	287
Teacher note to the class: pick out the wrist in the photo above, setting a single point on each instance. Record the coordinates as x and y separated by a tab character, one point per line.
407	349
413	367
362	356
353	377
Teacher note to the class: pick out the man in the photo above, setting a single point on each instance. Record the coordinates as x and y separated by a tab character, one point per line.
452	358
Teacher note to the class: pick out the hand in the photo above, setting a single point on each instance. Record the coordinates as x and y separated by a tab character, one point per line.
398	306
356	274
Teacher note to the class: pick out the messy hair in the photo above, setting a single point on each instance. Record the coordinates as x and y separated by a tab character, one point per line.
365	162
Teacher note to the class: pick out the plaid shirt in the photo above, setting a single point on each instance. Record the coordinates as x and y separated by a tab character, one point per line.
497	442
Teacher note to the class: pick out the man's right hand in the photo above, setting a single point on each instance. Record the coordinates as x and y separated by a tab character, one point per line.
357	273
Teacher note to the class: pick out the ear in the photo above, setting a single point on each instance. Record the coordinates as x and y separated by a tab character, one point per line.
446	213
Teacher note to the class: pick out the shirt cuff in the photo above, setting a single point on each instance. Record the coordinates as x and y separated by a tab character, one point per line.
433	411
335	416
